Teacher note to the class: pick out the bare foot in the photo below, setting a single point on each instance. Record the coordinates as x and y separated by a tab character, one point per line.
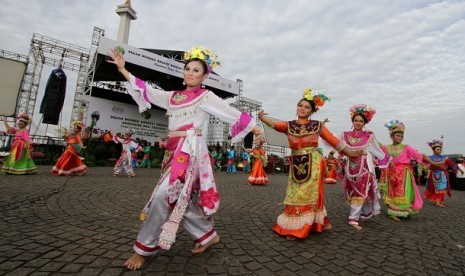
356	226
207	245
328	226
439	204
290	238
394	218
135	262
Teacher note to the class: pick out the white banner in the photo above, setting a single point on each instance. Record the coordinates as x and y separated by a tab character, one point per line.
161	64
11	77
118	117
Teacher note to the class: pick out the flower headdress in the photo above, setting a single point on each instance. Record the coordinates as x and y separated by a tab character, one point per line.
319	98
362	109
24	118
129	132
395	126
78	124
203	54
435	143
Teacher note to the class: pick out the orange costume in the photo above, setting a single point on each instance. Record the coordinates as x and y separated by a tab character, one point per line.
332	164
70	162
258	175
305	210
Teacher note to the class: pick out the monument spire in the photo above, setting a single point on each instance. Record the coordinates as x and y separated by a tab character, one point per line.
126	13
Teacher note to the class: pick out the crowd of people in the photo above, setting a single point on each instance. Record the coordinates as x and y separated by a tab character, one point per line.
186	191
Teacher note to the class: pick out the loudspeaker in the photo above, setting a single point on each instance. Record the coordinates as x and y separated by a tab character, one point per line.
248	140
54	97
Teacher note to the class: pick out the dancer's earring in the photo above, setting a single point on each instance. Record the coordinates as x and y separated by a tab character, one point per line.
183	83
202	86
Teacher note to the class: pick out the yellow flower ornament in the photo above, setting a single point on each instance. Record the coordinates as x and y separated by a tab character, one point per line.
203	54
319	98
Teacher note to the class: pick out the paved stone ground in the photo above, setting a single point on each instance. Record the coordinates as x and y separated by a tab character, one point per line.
86	226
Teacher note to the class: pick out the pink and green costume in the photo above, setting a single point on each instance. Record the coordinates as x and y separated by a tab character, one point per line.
401	193
19	161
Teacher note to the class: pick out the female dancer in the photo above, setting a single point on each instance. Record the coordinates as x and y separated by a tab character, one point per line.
245	161
438	178
70	162
400	189
360	185
231	167
19	161
146	159
332	164
305	210
186	192
125	160
258	175
219	159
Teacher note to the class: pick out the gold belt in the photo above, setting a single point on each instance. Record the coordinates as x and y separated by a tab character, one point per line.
304	150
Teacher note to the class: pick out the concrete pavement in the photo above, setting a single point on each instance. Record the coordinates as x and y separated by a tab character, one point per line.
86	226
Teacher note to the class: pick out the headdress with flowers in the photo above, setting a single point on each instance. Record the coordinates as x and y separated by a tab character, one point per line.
77	124
203	54
435	143
395	126
362	109
24	118
319	98
129	131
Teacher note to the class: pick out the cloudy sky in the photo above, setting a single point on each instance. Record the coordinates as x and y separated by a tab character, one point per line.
404	58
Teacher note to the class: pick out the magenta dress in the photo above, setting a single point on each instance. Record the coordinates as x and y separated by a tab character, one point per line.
360	185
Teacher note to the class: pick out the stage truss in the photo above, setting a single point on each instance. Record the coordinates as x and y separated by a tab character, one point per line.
85	80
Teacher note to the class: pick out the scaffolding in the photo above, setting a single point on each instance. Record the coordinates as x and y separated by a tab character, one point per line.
85	80
245	104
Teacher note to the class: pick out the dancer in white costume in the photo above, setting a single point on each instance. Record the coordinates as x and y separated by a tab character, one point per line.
125	160
186	191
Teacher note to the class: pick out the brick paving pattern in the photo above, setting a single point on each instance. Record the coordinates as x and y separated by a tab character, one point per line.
86	226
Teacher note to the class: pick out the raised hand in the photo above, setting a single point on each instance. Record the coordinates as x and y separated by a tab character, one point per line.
116	58
261	113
